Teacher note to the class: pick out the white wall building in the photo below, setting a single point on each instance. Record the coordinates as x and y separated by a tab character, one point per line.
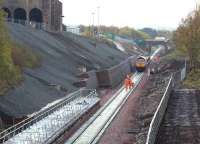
73	29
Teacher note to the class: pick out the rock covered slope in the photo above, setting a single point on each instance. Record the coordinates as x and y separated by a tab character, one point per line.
61	56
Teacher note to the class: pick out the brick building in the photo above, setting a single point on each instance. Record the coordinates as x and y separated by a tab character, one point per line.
47	12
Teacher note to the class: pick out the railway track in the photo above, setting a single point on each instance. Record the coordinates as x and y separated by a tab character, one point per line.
93	129
181	123
45	127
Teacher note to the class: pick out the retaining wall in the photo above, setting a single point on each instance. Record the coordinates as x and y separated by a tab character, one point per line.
115	75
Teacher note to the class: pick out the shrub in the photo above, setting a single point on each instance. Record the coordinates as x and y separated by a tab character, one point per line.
13	58
193	79
24	57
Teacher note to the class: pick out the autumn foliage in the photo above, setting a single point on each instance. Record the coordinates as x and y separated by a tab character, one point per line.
187	39
13	58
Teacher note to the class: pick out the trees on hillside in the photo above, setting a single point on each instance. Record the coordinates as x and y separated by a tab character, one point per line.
151	32
13	58
130	32
165	33
124	31
187	38
8	72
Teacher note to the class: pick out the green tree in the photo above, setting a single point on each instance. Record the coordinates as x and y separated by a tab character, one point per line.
126	31
132	33
187	38
9	74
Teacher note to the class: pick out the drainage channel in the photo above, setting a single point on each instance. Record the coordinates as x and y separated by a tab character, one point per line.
93	129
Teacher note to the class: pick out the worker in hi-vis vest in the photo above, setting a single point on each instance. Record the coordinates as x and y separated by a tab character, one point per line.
128	83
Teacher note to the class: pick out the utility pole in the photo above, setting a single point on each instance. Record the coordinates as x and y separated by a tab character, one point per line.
196	4
93	14
27	9
98	12
61	23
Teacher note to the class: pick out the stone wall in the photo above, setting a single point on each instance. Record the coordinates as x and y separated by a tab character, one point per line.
48	12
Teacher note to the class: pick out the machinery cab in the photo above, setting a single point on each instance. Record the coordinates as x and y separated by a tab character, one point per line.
141	63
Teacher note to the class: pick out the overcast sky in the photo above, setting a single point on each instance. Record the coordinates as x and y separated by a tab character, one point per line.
134	13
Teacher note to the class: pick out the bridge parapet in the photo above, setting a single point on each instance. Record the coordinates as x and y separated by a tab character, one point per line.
155	42
43	11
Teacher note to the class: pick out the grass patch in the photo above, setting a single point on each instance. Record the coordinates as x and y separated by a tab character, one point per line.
102	40
24	57
107	42
21	57
11	72
15	78
13	58
173	55
193	80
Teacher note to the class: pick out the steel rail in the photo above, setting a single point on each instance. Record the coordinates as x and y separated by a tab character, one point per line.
92	131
